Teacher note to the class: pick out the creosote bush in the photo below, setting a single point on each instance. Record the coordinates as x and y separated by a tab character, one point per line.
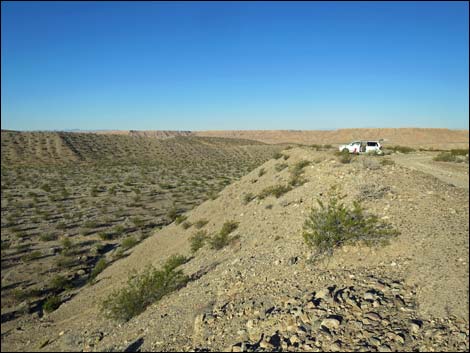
222	239
144	289
99	267
200	223
198	240
275	190
247	198
51	304
334	224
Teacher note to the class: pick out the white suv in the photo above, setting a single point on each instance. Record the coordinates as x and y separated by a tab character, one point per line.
362	147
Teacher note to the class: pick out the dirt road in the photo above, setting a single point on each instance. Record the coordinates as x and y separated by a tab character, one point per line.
451	173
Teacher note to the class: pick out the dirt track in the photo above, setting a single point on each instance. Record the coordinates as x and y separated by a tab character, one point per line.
451	173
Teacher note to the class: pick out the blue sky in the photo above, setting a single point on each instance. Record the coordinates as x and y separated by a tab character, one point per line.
229	65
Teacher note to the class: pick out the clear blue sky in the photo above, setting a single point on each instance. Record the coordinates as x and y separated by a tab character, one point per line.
199	66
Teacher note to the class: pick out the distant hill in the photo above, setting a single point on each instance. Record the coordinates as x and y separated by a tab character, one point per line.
66	147
412	137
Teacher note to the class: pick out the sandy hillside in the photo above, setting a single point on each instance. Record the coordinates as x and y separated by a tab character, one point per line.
262	292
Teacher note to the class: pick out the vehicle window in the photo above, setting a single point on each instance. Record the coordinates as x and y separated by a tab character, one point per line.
372	144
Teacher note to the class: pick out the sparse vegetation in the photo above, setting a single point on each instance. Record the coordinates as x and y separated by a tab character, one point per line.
99	267
401	149
144	289
200	223
333	225
276	191
222	239
456	155
198	240
51	304
248	197
128	243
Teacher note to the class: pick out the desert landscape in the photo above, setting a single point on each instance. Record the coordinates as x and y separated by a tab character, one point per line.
85	213
224	176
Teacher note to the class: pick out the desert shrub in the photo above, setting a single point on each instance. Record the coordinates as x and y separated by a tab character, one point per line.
197	240
6	245
99	267
90	224
51	304
296	171
345	157
248	197
105	236
444	157
138	222
64	262
128	242
222	239
276	190
46	187
277	155
32	256
333	225
67	244
60	226
186	225
459	152
280	166
370	163
172	214
201	223
401	149
327	146
180	219
48	237
144	289
387	161
59	283
261	172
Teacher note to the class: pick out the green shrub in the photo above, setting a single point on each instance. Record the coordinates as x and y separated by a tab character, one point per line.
197	240
459	152
261	172
60	283
277	155
99	267
172	214
48	237
138	222
105	236
445	157
345	157
387	161
51	304
201	223
334	225
276	190
248	197
186	225
144	289
222	239
32	256
180	219
128	242
280	166
296	171
401	149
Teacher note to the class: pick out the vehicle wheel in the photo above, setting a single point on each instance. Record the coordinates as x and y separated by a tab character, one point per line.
344	150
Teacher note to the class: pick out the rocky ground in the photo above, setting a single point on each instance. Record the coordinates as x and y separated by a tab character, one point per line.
265	291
